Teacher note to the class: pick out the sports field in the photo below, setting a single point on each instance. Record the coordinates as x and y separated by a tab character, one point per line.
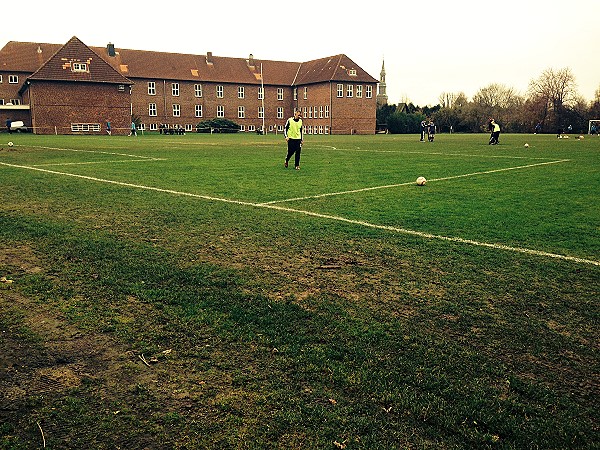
191	292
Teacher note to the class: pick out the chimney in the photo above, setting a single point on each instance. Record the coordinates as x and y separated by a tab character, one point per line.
209	58
110	48
251	60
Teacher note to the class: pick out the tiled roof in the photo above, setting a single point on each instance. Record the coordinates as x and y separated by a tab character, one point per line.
63	66
333	68
29	57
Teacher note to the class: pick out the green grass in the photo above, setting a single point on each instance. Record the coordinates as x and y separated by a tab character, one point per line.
284	317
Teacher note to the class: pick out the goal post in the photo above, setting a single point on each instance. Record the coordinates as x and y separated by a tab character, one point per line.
594	126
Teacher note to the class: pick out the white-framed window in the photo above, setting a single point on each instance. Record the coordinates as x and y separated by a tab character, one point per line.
220	111
241	92
176	110
13	79
151	87
340	90
15	101
241	112
261	93
152	110
295	94
1	101
352	72
310	112
220	91
0	78
279	93
305	93
308	129
315	113
369	91
261	112
198	110
153	127
79	67
320	112
349	91
359	91
280	128
83	127
198	90
327	111
251	128
242	128
320	129
280	112
175	89
188	127
304	113
326	129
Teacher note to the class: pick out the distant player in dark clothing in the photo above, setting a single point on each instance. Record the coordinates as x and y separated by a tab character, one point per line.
431	131
423	129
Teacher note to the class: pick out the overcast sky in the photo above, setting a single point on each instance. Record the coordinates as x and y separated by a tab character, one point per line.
429	47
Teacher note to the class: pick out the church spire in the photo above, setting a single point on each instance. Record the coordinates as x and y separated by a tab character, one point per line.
382	97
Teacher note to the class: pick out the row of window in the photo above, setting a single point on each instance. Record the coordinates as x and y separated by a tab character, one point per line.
310	112
308	129
85	127
12	101
12	79
351	90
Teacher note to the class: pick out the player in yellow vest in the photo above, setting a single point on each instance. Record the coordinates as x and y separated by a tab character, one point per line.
495	136
294	136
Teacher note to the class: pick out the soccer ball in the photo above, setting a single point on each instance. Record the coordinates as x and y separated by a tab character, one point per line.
421	181
10	144
526	145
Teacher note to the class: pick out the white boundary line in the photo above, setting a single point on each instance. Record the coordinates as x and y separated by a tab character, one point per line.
403	152
372	188
138	158
323	216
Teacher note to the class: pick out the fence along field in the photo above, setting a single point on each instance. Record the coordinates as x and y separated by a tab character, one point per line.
336	306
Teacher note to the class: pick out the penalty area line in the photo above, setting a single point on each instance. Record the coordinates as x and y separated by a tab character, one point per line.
388	186
399	230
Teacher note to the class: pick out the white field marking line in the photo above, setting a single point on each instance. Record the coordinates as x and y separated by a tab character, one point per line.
138	158
388	186
94	151
324	216
447	154
430	153
99	162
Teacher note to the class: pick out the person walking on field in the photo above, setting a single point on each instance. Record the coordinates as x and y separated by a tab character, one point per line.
294	136
494	138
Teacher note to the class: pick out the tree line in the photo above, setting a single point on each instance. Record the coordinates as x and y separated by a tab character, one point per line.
551	102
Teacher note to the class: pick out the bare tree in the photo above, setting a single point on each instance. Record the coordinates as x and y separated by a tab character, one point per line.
556	91
498	101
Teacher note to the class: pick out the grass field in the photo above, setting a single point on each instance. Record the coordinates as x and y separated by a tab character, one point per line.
190	292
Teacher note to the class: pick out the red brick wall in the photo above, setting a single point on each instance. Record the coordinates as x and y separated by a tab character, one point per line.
347	115
187	100
58	104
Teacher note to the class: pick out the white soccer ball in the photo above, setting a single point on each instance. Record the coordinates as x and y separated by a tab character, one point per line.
10	144
421	181
526	145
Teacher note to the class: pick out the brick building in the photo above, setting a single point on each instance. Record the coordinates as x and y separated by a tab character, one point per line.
73	88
